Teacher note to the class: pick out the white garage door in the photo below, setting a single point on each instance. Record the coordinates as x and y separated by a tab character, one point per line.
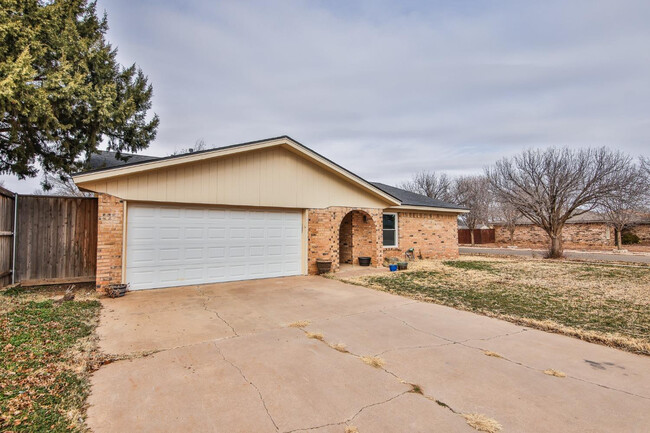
174	246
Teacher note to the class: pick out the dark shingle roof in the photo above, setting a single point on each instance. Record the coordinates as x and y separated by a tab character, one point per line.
412	199
143	158
106	159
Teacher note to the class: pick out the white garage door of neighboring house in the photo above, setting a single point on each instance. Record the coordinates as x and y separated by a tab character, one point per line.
175	246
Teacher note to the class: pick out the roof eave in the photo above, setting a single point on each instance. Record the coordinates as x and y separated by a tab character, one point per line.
139	167
430	209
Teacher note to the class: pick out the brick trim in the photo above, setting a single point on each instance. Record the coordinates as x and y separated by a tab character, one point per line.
110	232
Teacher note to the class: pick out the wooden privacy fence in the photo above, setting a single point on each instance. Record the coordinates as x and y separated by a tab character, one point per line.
481	236
56	239
6	235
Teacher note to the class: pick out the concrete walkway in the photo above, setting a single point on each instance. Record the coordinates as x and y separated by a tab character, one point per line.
574	255
226	361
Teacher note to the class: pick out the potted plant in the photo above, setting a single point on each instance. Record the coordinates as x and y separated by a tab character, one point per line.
324	266
364	261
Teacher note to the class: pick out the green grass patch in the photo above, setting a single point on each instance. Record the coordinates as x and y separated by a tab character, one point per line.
470	265
43	387
614	272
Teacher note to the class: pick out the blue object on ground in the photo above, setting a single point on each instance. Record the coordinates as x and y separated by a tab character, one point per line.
392	268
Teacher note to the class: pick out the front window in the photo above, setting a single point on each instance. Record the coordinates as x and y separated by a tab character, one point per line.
390	230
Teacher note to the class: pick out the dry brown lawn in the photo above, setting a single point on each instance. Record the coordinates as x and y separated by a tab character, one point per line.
604	303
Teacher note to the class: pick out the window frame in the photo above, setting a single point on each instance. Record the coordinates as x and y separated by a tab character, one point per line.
396	229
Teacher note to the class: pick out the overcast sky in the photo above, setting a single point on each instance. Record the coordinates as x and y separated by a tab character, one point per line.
388	88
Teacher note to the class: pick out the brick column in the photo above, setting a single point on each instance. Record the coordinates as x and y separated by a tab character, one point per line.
323	236
110	226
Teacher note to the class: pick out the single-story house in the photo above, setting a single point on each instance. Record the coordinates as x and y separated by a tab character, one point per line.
590	229
260	209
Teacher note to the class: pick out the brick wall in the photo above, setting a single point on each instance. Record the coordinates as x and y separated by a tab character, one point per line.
573	235
431	235
345	240
324	236
110	215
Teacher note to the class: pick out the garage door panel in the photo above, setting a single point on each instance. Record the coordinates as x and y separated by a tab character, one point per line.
216	233
216	252
171	246
238	233
236	271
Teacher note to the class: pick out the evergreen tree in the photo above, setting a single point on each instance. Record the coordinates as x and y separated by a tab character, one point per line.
62	92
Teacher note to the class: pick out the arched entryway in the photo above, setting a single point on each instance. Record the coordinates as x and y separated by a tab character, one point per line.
357	238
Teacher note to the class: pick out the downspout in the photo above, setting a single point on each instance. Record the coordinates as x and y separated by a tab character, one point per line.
13	257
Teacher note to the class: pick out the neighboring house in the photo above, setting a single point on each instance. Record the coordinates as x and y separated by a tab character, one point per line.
589	229
641	228
262	209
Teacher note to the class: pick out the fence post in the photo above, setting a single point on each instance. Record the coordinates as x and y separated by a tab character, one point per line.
13	229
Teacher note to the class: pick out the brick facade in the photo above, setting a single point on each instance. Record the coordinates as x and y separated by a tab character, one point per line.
338	234
362	238
431	235
573	235
357	238
110	225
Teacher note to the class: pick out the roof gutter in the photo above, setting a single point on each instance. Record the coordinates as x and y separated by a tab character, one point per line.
430	209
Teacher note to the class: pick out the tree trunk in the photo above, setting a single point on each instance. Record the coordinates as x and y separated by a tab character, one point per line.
512	236
471	236
619	238
556	251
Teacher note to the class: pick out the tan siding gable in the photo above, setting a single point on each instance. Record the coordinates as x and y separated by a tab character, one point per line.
270	177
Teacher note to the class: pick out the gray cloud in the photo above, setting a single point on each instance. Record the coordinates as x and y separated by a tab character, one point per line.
387	89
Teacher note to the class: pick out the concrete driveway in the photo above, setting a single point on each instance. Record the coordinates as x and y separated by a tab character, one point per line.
226	361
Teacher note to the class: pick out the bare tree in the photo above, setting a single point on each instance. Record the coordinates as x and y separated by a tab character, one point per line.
624	206
473	192
431	184
60	185
199	145
645	165
510	216
550	186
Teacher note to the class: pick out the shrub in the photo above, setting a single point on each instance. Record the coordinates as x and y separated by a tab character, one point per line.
629	238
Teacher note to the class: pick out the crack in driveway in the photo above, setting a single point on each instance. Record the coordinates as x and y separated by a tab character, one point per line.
259	393
350	419
521	364
207	299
